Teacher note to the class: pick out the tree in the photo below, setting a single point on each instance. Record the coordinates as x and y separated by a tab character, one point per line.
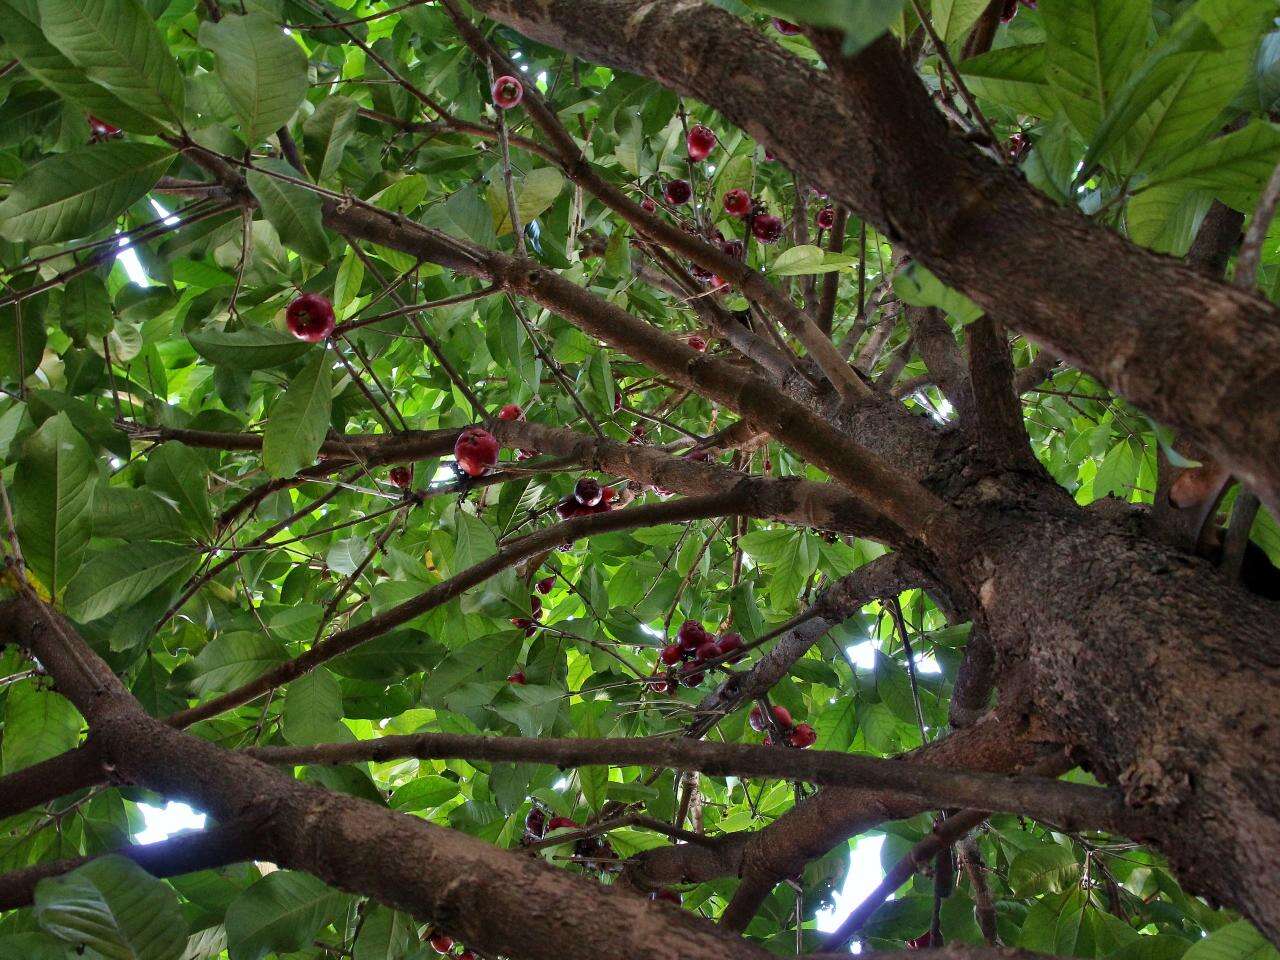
890	426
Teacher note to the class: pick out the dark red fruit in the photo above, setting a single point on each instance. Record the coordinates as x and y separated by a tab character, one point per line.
769	155
826	218
518	678
467	955
608	494
648	205
781	714
669	895
310	317
695	679
700	141
1019	144
102	130
522	623
731	643
767	228
671	654
507	92
568	508
545	584
441	943
402	477
562	822
921	942
785	27
511	411
691	634
476	451
697	343
734	248
678	192
707	650
699	273
802	735
525	454
535	822
587	491
737	203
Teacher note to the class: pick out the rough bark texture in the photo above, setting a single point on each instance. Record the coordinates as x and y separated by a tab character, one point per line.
1193	353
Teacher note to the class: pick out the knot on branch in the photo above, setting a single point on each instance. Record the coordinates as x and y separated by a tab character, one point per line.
1155	780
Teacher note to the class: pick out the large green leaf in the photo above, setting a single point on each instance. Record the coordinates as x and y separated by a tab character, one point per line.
253	348
1090	49
1012	77
280	913
38	724
25	114
73	194
124	575
325	135
53	486
25	39
177	473
117	46
861	20
313	709
292	209
1236	941
953	18
129	513
1046	869
21	342
534	195
263	71
115	908
386	935
1234	167
299	419
234	659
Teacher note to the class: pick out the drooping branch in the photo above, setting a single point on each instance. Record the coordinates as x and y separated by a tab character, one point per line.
1036	797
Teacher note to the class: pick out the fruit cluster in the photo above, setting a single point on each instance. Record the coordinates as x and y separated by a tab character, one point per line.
443	944
529	624
799	735
589	496
695	647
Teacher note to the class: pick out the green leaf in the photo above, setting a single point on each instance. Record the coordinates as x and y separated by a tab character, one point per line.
387	658
861	20
23	116
54	484
25	39
1234	167
115	908
1090	49
534	195
91	423
473	541
252	348
1047	869
313	709
918	286
118	47
38	724
386	935
293	210
1166	216
299	419
124	575
74	194
177	472
263	71
20	353
325	135
953	18
234	659
1235	941
281	913
1174	98
1012	77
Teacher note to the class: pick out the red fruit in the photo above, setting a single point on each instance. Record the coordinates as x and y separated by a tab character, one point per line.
535	824
507	92
523	623
700	141
310	317
707	650
734	248
517	678
647	205
691	634
669	895
785	27
608	494
678	192
1018	145
102	130
737	203
671	654
467	955
919	943
568	508
559	822
536	606
545	584
587	491
441	943
826	218
511	411
731	643
802	735
782	716
525	454
476	451
697	343
699	273
402	477
767	228
769	155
